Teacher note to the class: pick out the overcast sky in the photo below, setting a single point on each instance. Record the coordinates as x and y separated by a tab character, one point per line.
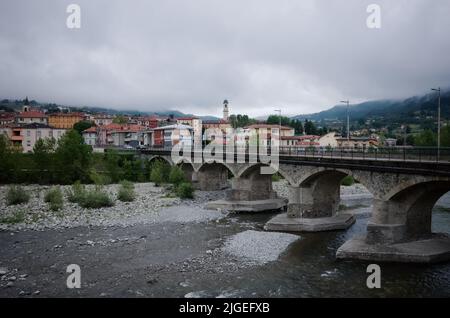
302	56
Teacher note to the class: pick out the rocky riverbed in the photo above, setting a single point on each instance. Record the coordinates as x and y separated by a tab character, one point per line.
156	246
150	200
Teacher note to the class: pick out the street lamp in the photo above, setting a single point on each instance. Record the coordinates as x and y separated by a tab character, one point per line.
439	121
348	118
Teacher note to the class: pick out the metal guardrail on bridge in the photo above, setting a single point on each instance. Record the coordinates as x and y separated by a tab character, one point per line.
406	154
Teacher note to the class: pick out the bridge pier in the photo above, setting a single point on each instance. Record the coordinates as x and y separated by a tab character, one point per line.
310	209
251	192
400	229
212	177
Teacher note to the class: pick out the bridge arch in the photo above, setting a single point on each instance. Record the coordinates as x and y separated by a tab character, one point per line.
413	206
213	176
163	158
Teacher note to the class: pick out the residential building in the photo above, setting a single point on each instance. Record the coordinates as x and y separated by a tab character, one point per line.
285	130
64	120
195	123
356	142
329	140
171	135
27	135
103	120
300	141
128	135
146	121
100	136
390	142
29	116
6	118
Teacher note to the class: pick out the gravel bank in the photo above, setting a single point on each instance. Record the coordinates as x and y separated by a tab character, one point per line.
152	204
149	207
258	248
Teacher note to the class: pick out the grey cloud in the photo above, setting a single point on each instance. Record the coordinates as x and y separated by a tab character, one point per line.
302	56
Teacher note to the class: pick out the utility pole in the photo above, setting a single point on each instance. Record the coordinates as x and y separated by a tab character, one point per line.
439	121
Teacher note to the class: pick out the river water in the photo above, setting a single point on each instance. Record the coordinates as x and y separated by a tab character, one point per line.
177	257
308	268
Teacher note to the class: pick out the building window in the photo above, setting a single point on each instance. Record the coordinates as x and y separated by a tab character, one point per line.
50	133
38	134
28	133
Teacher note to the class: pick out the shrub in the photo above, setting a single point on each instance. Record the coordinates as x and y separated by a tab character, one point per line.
347	181
159	172
55	199
185	190
15	218
96	199
276	177
16	195
176	176
76	194
126	192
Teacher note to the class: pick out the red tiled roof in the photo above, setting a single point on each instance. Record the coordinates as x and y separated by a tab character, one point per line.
67	114
91	129
32	114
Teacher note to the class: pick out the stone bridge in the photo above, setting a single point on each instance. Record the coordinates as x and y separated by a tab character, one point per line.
404	193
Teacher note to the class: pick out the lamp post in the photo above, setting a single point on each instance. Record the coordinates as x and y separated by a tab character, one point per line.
348	118
439	121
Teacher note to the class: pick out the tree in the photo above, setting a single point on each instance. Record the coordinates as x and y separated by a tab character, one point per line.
43	151
275	120
425	139
73	158
239	120
445	136
120	120
83	125
297	125
310	128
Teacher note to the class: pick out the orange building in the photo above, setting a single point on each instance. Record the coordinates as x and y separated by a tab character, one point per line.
64	120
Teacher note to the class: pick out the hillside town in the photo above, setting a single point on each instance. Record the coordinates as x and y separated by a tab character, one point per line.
25	128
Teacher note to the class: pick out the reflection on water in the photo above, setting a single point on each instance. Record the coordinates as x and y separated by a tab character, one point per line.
309	269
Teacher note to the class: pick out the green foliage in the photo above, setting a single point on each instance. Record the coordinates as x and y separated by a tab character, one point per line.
126	192
120	120
238	121
55	198
99	179
82	125
16	195
426	139
43	158
160	171
348	181
276	177
77	193
185	190
96	199
176	176
17	217
445	136
73	158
